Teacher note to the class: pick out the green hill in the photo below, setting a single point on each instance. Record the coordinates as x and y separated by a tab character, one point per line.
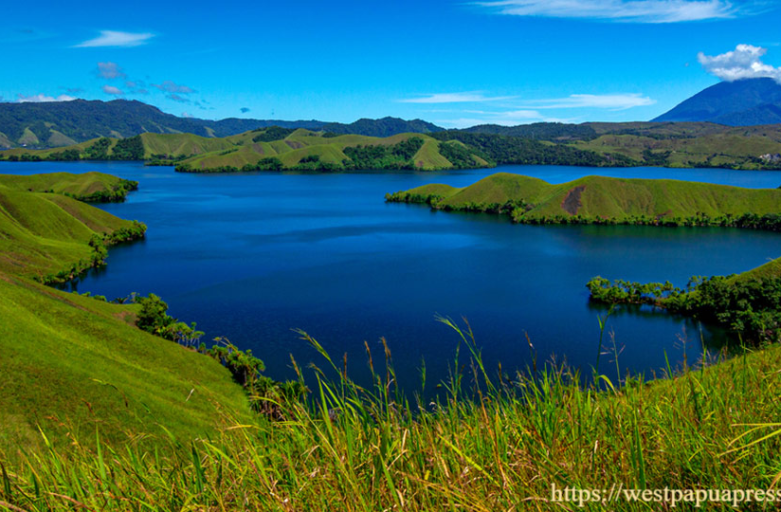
308	150
44	233
74	364
596	198
89	187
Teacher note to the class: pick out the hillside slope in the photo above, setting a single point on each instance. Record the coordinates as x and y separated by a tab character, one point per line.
43	233
89	187
74	364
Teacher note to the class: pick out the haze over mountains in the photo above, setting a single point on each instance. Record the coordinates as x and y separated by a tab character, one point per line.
55	124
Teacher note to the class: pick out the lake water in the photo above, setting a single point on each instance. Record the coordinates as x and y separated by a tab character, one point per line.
253	256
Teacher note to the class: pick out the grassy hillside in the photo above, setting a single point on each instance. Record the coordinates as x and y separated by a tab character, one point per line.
264	149
712	428
74	364
307	150
88	187
595	197
44	233
591	144
726	149
181	144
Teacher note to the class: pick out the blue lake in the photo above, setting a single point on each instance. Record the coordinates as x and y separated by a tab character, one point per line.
253	256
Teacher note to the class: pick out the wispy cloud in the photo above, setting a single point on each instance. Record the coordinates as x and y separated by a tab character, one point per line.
114	91
503	118
635	11
172	87
43	98
534	111
455	97
602	101
117	39
743	62
136	87
110	70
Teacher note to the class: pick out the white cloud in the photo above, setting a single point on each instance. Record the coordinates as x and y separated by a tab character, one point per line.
110	70
455	97
605	101
743	62
115	38
187	115
42	98
110	89
636	11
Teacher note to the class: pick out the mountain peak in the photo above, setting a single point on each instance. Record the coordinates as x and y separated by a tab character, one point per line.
745	102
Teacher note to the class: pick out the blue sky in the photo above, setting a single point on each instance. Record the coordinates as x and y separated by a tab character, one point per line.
451	62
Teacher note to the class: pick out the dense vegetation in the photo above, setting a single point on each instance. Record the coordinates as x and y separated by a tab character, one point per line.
271	134
749	308
98	245
539	131
504	149
385	127
395	156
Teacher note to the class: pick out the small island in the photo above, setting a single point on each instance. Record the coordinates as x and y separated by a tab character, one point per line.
601	200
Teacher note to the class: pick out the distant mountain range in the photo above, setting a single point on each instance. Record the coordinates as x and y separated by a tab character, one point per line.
56	124
749	102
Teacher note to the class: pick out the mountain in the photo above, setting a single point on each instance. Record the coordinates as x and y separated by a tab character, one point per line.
538	131
385	127
749	102
57	124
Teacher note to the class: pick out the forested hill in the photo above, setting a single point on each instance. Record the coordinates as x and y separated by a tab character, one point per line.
58	124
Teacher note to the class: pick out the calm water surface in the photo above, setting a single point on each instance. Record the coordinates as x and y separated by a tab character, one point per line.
251	257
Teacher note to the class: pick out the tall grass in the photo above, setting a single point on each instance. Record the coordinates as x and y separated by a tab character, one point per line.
492	442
